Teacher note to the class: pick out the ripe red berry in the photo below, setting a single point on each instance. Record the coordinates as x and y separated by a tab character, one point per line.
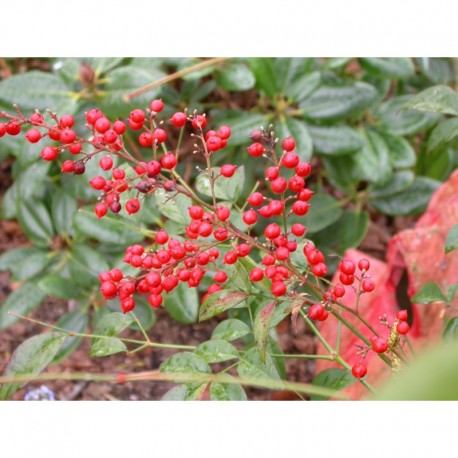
195	212
106	163
300	208
67	136
100	210
119	127
110	136
223	213
66	121
402	327
156	105
93	115
178	119
199	122
118	174
137	116
127	304
368	285
272	172
379	345
116	274
169	161
36	119
33	135
213	144
220	234
255	199
296	183
402	315
2	129
303	169
359	370
160	135
316	311
13	128
320	270
298	229
364	264
220	277
338	291
288	144
224	132
134	125
98	183
153	168
279	185
243	250
132	206
75	148
155	300
228	170
272	231
256	149
278	288
250	217
346	279
290	160
108	290
268	260
347	267
102	124
256	274
205	229
68	167
282	253
305	195
161	237
230	257
49	153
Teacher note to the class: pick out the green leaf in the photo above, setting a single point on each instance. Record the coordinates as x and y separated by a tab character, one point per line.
450	333
35	89
239	276
123	80
229	189
112	324
388	67
438	70
115	229
235	77
102	64
373	159
428	293
396	120
186	392
185	362
398	182
337	379
175	209
75	321
106	347
144	313
264	70
400	151
216	351
261	329
34	265
298	130
62	210
341	172
443	133
36	223
11	258
85	264
335	140
21	301
57	286
430	377
324	211
436	99
230	329
219	302
412	200
303	86
451	291
451	243
227	392
334	103
30	358
251	366
183	304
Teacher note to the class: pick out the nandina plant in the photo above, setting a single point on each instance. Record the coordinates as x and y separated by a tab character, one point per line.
250	256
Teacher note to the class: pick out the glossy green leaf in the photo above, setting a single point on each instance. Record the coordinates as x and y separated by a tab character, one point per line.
239	277
21	301
324	211
35	264
264	70
436	99
251	366
261	328
112	324
451	291
388	67
398	182
428	293
216	351
443	133
451	243
30	358
106	347
450	333
412	200
337	379
299	131
62	211
229	189
219	302
396	120
185	362
373	160
186	392
230	329
227	392
57	286
102	64
334	103
437	164
438	70
36	222
236	76
336	140
176	209
75	321
341	172
288	69
400	151
303	86
85	265
183	304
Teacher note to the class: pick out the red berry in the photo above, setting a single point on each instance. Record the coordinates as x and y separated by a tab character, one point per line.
368	285
272	172
298	229
66	121
220	234
250	217
33	135
402	315
108	290
36	119
119	127
110	136
156	105
228	170
243	250
379	345
2	129
255	199
290	160
230	257
320	270
196	212
288	144
213	288
134	125
346	279
305	195
213	144
127	304
161	237
106	163
116	274
256	149
316	311
223	213
153	168
199	122
296	183
364	264
205	229
224	132
272	231
137	116
256	274
100	210
75	148
169	161
78	168
282	253
268	260
347	267
160	135
155	300
278	288
98	183
300	208
338	291
93	115
220	277
359	370
118	174
49	153
132	206
68	167
67	136
303	169
13	128
178	119
402	327
102	125
279	185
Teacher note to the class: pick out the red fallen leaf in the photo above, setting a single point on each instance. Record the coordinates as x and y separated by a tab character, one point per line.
420	252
